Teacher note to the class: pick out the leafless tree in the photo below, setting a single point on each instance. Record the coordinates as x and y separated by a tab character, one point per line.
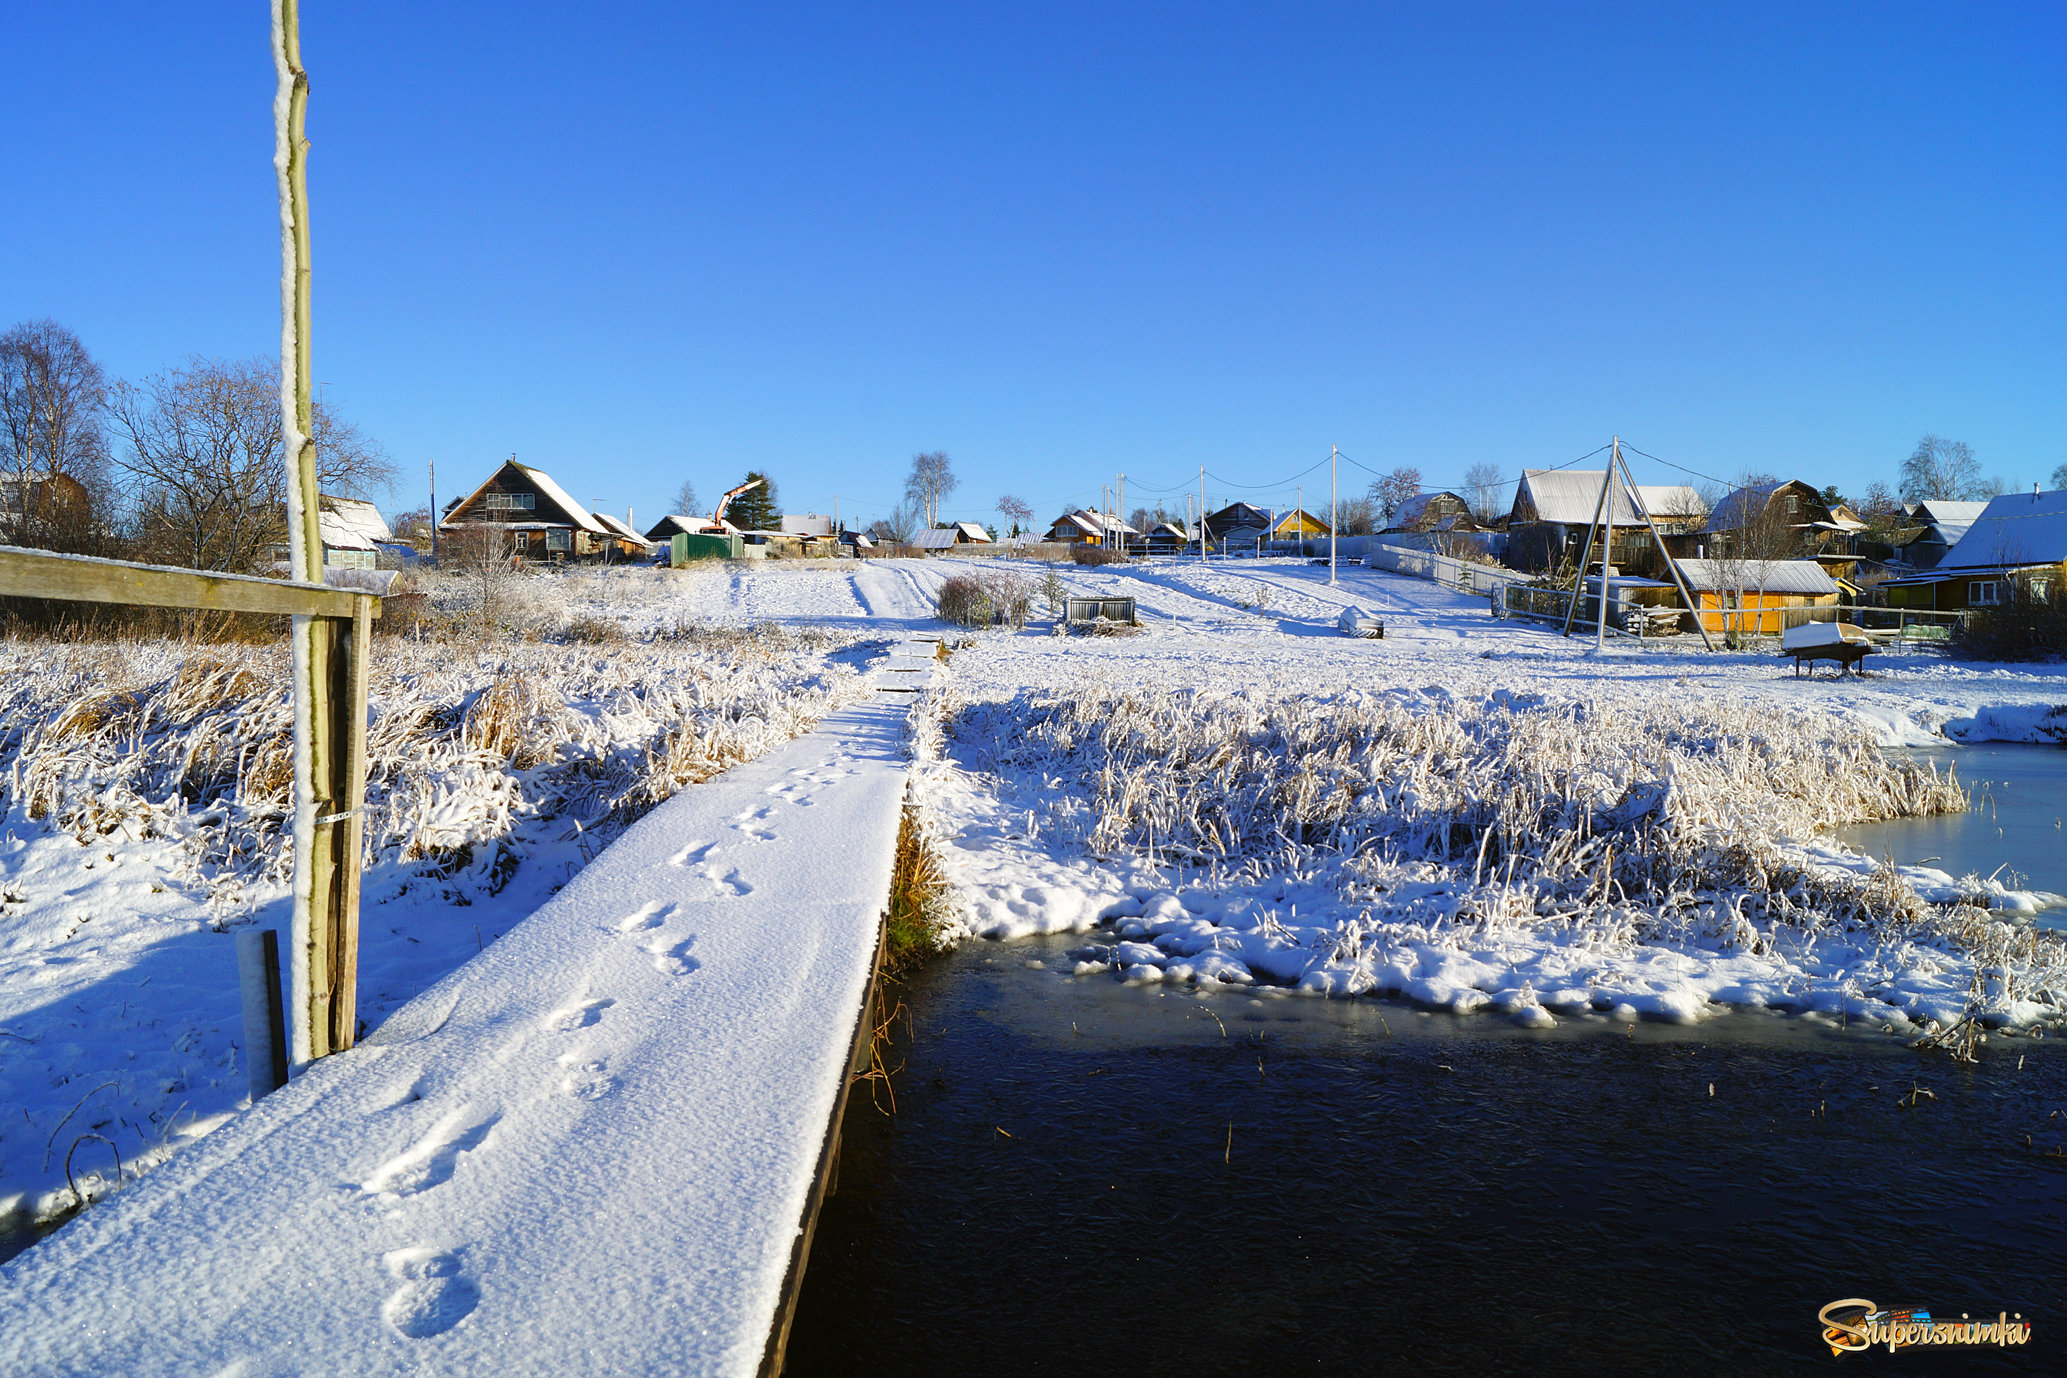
1482	485
1878	508
1356	516
202	444
1395	488
685	499
483	555
413	528
1745	554
1941	470
1015	511
932	478
56	492
900	527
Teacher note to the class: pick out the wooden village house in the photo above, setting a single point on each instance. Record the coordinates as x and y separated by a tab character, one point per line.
540	520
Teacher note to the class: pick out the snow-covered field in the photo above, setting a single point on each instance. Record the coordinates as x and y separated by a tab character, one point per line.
1468	812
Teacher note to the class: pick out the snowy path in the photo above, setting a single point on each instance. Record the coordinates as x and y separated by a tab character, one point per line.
588	1150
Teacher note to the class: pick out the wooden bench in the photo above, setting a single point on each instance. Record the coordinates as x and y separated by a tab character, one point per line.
1838	641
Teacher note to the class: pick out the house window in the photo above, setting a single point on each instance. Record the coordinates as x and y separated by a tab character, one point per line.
2042	590
1793	505
511	502
557	539
1983	593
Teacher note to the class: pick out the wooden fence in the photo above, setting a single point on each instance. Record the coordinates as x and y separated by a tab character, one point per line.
343	621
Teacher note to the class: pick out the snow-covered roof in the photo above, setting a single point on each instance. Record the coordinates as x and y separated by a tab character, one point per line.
543	482
349	524
1091	523
1568	497
618	527
807	524
1742	506
1951	520
2014	529
940	538
1413	511
582	516
1774	576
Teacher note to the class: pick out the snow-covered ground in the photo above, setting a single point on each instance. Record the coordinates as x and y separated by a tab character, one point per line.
143	812
1766	911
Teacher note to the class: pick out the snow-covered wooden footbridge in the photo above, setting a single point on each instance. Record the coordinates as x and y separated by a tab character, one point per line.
598	1147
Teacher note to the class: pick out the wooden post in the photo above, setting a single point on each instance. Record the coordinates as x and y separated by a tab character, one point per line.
329	652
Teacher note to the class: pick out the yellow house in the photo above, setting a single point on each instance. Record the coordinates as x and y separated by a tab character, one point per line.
1750	596
1297	525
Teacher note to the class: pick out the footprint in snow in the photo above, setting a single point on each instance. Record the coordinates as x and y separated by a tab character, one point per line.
647	926
750	823
432	1160
727	884
568	1018
691	854
586	1079
434	1295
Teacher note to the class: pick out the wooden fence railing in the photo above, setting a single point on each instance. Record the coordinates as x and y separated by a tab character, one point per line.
326	920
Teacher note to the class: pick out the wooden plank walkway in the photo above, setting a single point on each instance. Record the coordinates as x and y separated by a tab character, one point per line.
596	1148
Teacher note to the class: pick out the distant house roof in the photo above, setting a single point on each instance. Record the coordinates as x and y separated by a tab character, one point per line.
1170	529
576	514
1568	497
673	523
961	533
2014	529
807	524
1950	520
1238	516
1774	576
1413	514
1742	506
1088	524
349	524
618	528
1298	521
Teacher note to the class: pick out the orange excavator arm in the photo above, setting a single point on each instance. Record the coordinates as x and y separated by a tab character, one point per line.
718	517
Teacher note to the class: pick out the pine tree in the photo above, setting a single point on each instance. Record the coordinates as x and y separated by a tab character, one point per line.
757	508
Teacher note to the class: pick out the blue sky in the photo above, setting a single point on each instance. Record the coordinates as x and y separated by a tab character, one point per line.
640	243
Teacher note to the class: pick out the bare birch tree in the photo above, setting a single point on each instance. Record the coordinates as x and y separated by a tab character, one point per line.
1395	488
56	492
1482	485
1942	470
932	478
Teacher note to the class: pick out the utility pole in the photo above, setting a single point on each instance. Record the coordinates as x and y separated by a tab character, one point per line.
1122	514
1334	453
1607	544
434	511
1202	514
1299	509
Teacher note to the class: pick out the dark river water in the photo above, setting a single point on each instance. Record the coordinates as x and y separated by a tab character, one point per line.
1086	1178
2017	830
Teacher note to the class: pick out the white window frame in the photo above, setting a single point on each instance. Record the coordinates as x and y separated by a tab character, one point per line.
1984	593
510	502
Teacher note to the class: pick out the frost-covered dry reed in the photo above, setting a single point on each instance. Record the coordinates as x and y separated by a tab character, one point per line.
193	742
1596	823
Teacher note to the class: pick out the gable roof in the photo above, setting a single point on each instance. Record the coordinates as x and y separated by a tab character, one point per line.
2014	529
578	515
1415	509
672	523
1238	514
1773	576
1568	496
616	526
1950	520
1089	523
1744	505
1299	520
350	524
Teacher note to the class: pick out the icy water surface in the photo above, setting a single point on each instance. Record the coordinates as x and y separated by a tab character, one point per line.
2018	824
1087	1178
